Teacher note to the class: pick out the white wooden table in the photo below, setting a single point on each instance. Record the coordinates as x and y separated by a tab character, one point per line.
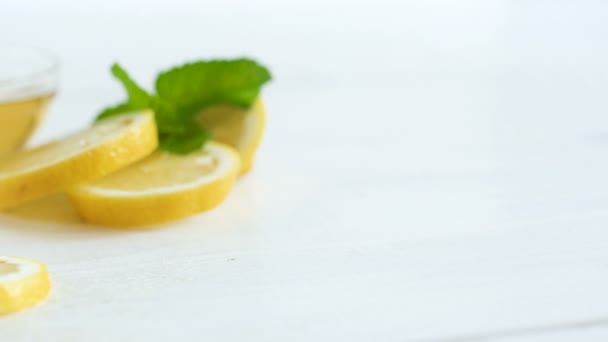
432	171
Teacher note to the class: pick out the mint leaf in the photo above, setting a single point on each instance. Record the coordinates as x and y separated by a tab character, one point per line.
194	86
114	111
177	133
137	96
192	138
184	91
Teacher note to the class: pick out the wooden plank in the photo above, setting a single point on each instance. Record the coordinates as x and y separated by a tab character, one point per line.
543	275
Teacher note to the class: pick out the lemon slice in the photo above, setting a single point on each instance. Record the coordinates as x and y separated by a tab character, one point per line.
241	129
85	156
23	283
162	187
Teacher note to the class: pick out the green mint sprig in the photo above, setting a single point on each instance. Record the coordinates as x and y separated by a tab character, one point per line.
184	91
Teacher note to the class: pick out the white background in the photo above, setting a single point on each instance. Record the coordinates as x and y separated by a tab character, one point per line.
432	171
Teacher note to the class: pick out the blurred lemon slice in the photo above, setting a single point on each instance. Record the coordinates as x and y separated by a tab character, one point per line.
84	156
23	283
241	129
162	187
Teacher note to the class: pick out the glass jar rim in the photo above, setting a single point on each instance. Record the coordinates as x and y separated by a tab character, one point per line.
50	65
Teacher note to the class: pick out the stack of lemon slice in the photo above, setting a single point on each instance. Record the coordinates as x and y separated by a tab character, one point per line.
114	175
